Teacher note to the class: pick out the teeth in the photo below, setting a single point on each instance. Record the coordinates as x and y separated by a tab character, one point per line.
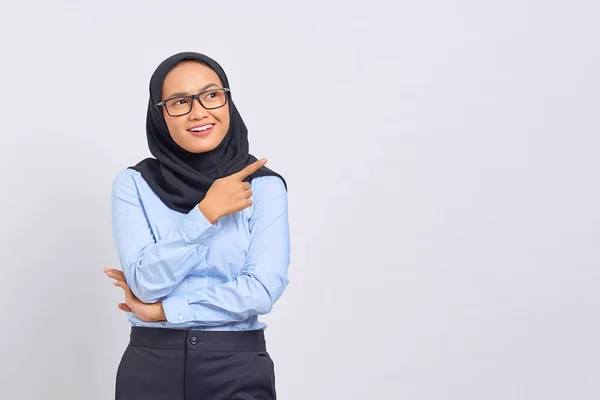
202	128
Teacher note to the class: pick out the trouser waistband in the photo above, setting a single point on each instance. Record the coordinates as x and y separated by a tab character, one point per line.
163	338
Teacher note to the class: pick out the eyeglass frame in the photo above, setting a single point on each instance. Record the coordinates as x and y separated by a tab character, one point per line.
192	97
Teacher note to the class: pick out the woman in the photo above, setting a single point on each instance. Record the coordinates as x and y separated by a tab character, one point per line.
202	236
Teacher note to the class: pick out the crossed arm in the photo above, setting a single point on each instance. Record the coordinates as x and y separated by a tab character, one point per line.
153	268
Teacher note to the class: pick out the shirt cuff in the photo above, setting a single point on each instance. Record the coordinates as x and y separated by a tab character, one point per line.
177	309
195	225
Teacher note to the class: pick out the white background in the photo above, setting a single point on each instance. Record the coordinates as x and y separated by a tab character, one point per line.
443	169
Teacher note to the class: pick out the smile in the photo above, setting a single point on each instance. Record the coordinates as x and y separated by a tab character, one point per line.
201	130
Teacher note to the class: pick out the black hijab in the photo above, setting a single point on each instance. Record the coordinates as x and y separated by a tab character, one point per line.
181	178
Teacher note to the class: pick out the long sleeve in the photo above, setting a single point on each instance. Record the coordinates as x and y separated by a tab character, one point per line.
263	278
154	267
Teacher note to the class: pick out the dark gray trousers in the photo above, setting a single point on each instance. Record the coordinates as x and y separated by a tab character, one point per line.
169	364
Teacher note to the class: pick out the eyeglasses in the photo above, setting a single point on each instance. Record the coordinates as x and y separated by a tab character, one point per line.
209	99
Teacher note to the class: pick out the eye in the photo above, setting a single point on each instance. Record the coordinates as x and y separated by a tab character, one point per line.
210	95
176	102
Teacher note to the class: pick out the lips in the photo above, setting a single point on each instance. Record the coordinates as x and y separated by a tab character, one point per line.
201	129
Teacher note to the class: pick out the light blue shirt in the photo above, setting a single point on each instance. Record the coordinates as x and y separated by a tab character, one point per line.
209	277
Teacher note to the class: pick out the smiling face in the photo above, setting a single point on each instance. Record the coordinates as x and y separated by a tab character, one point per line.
190	131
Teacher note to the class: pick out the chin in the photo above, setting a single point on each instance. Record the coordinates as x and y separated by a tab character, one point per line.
200	149
199	144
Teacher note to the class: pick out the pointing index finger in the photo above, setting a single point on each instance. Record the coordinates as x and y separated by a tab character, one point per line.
250	169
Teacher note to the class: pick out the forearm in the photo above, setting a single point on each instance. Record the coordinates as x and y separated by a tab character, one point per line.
162	266
236	300
159	266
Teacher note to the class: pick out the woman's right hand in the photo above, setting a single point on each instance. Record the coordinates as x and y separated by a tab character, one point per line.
230	194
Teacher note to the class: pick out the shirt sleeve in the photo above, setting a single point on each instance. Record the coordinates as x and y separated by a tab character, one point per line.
263	278
153	268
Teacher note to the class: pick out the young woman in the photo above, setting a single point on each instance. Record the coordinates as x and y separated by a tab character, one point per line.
202	236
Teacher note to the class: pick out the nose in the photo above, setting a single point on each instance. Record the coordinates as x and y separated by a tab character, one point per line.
197	110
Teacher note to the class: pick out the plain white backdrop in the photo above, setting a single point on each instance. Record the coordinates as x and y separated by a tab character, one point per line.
443	169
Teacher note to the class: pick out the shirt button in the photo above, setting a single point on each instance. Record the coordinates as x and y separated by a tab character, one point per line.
180	317
193	340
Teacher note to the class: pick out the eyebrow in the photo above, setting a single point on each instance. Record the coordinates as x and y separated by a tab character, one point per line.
203	88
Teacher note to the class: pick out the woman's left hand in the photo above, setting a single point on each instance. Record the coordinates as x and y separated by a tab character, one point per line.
146	312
